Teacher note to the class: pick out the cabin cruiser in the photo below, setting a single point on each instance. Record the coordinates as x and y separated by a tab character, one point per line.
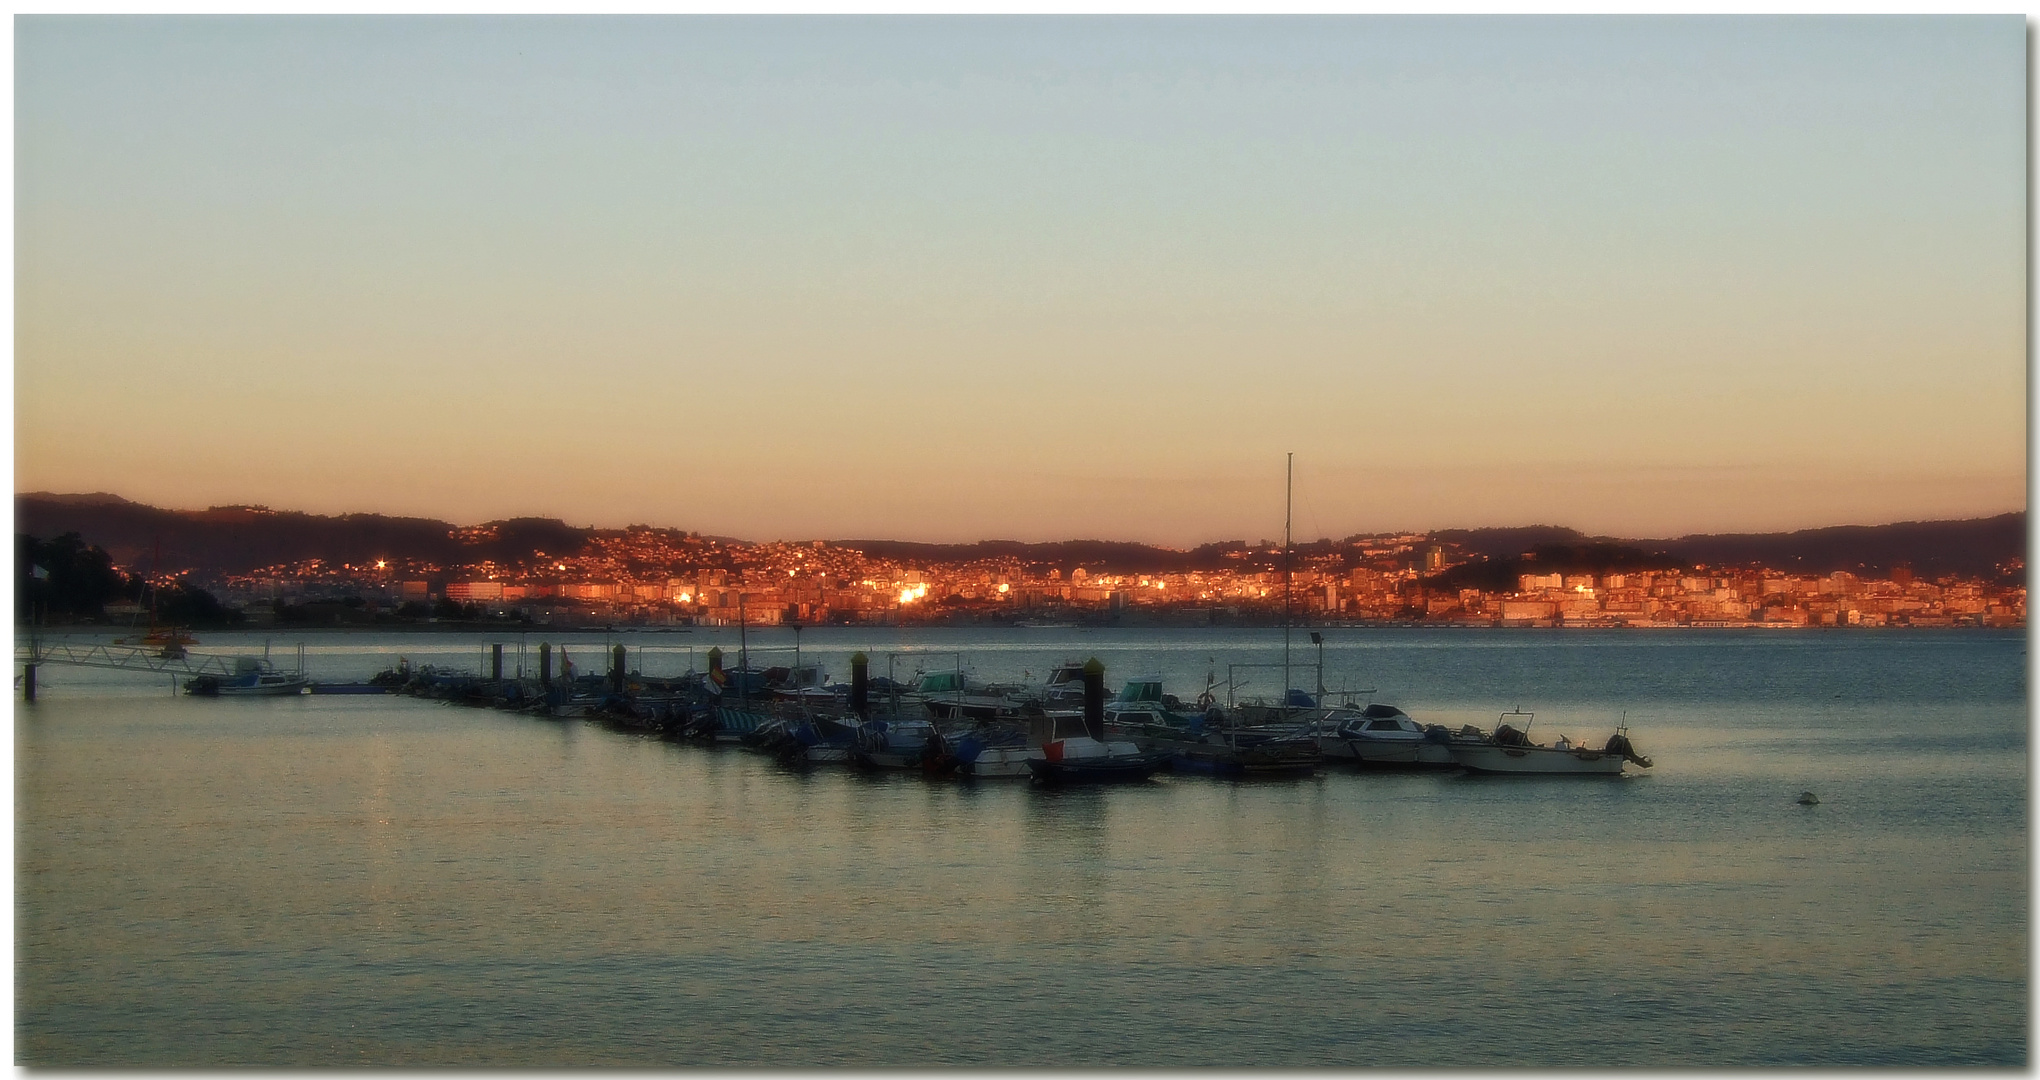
1141	711
1510	751
1065	687
1380	736
949	695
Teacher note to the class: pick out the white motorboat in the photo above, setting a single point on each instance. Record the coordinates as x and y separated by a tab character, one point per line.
1380	736
1509	751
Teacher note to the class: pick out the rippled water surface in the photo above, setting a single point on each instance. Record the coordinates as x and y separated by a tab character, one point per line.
358	880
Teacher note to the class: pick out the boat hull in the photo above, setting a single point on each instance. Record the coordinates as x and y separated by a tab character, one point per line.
238	686
1537	761
1113	770
1386	754
998	763
270	690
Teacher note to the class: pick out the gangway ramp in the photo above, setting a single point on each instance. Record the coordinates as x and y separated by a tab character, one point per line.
121	658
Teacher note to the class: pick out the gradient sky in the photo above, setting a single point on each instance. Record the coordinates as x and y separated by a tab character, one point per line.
1039	278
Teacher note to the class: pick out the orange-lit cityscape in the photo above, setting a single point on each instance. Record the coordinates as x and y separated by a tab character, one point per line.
646	576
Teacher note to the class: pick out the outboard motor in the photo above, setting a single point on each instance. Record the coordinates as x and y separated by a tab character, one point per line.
1618	743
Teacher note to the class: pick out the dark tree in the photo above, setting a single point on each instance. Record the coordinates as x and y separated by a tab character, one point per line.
80	578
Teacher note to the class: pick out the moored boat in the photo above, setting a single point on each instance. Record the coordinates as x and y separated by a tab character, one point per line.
1073	747
1072	758
1509	751
894	743
1380	737
251	678
993	752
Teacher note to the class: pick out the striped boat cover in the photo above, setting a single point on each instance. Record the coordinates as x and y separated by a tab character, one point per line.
737	720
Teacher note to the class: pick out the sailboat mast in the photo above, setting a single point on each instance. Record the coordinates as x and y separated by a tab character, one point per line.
1288	504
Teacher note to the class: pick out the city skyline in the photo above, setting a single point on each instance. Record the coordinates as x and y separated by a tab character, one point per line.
948	279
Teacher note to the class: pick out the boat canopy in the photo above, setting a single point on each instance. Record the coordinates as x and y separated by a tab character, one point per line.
940	682
1379	711
1144	688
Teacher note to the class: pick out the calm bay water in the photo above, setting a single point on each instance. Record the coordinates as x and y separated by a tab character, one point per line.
388	881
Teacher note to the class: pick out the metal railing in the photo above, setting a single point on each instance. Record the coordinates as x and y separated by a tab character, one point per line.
122	658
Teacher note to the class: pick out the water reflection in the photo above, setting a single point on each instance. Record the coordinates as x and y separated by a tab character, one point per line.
392	881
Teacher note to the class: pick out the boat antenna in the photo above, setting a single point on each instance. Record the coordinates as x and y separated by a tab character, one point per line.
1288	499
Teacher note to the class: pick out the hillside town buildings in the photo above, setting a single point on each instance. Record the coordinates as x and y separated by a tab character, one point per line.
660	577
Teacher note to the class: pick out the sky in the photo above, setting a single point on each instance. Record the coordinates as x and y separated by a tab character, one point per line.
1038	278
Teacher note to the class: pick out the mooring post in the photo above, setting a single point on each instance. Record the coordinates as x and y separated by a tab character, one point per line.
1094	698
545	664
618	657
496	661
28	682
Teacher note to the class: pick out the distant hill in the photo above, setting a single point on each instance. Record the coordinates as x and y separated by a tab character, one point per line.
1508	543
233	539
96	498
1101	556
1975	547
1972	548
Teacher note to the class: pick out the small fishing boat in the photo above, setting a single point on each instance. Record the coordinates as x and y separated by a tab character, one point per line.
991	752
823	741
167	642
251	678
733	723
894	743
1072	754
1509	751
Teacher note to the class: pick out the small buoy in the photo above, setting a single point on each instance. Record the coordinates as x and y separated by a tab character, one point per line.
1808	798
